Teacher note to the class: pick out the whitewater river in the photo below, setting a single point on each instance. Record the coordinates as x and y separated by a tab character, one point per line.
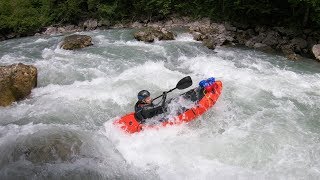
265	125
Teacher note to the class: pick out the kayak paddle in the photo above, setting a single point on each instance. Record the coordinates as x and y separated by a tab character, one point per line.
182	84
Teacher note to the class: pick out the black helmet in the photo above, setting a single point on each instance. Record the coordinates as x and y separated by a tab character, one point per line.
143	94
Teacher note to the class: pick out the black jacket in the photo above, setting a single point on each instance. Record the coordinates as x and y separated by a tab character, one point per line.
144	111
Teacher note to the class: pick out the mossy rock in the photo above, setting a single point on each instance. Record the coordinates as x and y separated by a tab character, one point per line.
16	82
76	42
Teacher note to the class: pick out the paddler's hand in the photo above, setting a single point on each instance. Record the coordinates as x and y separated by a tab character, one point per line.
164	95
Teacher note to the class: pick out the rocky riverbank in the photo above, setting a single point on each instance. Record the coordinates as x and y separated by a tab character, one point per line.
293	43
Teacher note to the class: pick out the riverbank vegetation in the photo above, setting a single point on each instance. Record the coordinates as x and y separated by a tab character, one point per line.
27	17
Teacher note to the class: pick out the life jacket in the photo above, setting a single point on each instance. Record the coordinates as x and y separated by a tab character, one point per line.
144	111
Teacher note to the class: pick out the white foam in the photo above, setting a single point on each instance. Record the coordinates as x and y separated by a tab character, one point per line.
40	40
185	37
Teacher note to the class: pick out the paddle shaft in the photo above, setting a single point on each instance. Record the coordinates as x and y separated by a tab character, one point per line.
162	94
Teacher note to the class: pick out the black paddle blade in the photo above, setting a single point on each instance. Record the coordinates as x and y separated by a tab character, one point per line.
184	83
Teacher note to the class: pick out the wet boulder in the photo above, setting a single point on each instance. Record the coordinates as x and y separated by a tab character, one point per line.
217	40
16	82
76	42
294	57
316	51
145	36
209	43
47	147
212	34
197	36
150	34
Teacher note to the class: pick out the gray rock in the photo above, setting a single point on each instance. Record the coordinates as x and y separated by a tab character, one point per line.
48	147
287	49
294	57
177	21
76	42
316	51
90	24
240	25
207	30
166	35
299	44
263	47
61	30
255	39
51	30
218	28
13	35
169	23
16	82
285	31
242	36
137	25
204	27
119	26
206	21
149	34
209	43
155	25
144	36
217	40
272	38
197	36
261	29
104	22
71	28
58	30
222	39
194	28
229	27
250	32
282	42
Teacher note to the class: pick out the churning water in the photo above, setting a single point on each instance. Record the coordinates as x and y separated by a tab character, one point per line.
266	124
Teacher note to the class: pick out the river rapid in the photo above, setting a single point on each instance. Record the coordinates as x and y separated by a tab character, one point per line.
265	125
